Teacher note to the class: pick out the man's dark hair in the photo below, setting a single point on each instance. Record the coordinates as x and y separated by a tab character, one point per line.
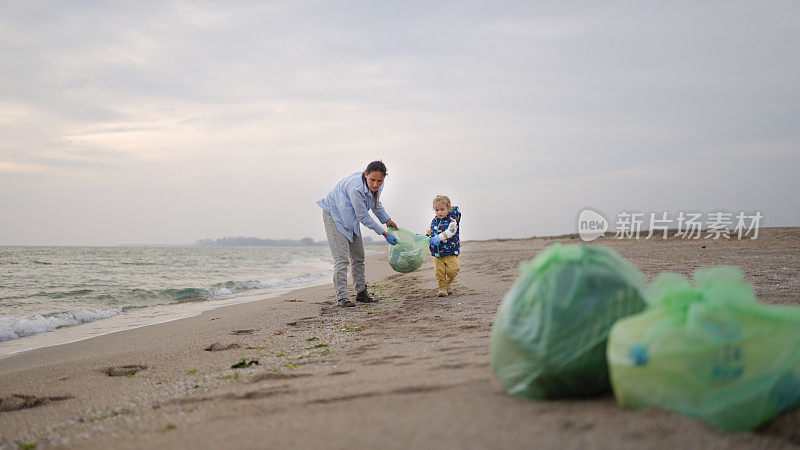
376	166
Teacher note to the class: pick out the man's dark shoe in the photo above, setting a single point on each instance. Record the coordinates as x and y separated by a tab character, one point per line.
364	297
346	303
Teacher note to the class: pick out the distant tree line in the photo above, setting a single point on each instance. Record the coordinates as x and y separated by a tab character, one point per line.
254	241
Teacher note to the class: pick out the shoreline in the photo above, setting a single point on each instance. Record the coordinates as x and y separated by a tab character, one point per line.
285	293
31	320
170	312
120	322
410	371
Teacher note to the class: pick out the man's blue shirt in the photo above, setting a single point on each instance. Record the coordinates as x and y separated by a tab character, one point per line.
349	204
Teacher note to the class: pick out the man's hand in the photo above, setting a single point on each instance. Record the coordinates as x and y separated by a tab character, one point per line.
390	223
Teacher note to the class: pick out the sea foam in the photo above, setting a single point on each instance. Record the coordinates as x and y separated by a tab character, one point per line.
17	327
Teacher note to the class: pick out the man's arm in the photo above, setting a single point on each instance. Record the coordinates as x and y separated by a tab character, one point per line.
359	203
380	212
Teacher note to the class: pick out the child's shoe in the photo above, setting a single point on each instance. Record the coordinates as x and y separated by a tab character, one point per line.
449	292
442	293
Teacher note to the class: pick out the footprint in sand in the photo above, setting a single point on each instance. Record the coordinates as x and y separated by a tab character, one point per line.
278	376
238	332
123	371
385	360
401	391
217	347
19	401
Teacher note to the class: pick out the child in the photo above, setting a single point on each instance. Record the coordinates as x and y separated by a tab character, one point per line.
445	246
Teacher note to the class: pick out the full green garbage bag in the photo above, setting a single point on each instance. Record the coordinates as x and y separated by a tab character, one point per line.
549	337
409	253
708	350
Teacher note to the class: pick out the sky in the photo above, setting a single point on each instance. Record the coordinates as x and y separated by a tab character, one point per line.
155	122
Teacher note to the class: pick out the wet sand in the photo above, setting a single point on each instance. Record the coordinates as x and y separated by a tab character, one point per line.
410	371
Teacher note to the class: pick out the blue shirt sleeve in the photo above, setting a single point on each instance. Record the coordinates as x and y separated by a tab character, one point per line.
381	213
359	201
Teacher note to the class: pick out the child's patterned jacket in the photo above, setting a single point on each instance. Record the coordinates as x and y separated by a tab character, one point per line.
448	230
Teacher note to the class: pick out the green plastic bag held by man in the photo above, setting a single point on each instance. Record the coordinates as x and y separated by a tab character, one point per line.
549	337
410	252
708	350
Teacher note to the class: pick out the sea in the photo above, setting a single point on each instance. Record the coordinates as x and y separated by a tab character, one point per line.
54	295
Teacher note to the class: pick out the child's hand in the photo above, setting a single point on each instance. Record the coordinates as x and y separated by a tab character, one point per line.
435	240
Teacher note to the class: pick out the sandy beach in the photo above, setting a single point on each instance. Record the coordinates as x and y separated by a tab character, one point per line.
410	371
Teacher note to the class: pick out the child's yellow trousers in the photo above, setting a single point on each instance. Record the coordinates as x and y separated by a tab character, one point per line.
447	268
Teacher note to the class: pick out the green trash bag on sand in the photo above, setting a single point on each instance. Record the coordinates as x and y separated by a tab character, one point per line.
409	253
708	350
549	337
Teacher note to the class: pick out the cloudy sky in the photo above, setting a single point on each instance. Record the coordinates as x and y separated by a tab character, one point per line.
170	121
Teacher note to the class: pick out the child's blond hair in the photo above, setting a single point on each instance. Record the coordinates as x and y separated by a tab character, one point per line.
441	199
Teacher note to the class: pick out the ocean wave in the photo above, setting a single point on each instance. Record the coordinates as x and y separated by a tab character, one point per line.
17	327
188	294
67	294
12	327
232	287
222	290
56	295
